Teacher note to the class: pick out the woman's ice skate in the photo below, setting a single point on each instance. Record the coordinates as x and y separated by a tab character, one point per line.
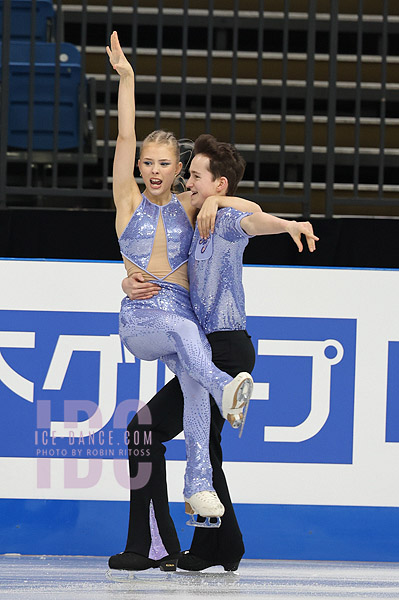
207	505
235	400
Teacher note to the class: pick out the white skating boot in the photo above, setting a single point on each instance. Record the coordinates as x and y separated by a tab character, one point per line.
235	400
205	504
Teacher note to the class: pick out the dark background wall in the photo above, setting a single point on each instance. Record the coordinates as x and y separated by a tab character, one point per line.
90	235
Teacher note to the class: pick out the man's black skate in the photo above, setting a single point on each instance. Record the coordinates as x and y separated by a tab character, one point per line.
129	561
190	562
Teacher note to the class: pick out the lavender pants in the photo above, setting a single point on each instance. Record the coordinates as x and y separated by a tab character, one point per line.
165	327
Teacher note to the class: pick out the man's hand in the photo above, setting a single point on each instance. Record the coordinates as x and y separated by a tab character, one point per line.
136	288
296	229
207	216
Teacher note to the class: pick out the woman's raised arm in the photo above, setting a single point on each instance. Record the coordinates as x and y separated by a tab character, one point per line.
125	189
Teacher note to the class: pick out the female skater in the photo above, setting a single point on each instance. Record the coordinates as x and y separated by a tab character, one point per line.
155	230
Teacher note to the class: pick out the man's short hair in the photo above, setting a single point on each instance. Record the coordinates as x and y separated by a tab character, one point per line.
224	160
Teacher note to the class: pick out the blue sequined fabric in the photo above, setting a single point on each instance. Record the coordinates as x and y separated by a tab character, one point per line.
157	549
165	327
215	275
137	240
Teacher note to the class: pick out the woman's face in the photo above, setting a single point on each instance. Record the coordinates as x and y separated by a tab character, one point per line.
158	167
201	182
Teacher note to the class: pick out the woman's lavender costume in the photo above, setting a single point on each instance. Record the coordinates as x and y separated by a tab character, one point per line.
166	327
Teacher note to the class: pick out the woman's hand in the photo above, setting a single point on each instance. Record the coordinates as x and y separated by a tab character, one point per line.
207	216
117	58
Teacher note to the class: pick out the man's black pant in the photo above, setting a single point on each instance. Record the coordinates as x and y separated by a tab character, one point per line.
233	352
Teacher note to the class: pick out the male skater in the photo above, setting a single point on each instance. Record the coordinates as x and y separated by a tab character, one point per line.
217	296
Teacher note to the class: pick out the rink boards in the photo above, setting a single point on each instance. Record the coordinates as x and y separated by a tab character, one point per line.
315	473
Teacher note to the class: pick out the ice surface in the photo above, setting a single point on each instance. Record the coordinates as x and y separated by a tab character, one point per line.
82	577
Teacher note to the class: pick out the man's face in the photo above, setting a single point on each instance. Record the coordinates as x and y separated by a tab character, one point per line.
201	182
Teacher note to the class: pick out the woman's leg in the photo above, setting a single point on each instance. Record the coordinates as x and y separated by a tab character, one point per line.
196	426
152	333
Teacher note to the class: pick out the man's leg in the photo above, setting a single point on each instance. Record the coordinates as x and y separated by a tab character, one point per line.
233	352
151	532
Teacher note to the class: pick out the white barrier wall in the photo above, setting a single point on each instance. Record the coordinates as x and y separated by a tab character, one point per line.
315	473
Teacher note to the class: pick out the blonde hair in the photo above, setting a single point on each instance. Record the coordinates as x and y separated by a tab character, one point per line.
159	136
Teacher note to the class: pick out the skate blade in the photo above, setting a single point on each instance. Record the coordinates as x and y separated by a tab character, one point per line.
122	576
213	576
205	524
245	412
209	574
247	398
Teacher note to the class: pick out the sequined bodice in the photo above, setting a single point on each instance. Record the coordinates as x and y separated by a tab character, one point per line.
215	274
137	241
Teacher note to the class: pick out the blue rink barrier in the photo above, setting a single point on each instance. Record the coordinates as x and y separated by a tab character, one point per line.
270	532
314	475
